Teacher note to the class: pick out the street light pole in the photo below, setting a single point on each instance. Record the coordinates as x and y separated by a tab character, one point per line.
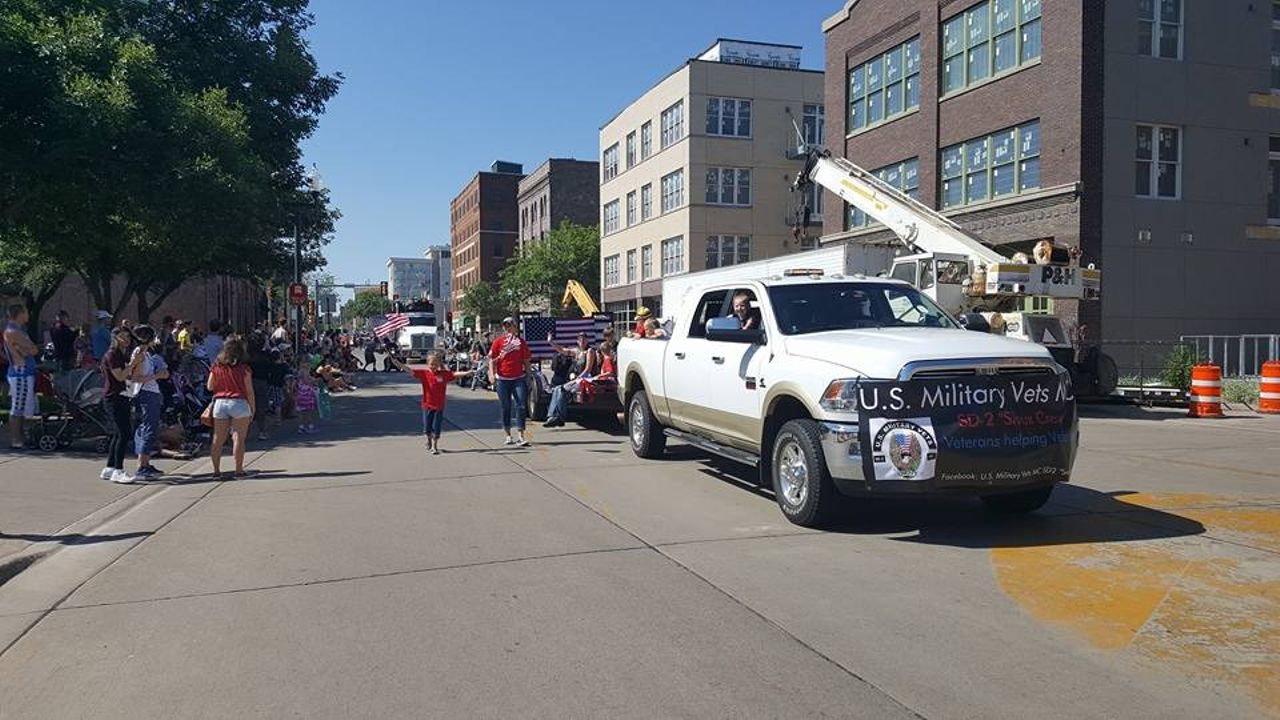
297	278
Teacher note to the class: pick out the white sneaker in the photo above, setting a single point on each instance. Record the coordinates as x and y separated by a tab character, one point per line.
509	441
106	473
525	442
121	477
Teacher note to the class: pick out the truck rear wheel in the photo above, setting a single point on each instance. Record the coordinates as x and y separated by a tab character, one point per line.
1018	503
643	430
801	483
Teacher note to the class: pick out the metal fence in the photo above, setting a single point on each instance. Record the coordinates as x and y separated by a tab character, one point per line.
1141	369
1237	355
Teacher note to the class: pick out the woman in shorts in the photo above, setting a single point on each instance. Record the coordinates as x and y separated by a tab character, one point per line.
231	382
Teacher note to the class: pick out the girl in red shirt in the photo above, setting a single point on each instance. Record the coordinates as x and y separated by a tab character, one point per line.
435	379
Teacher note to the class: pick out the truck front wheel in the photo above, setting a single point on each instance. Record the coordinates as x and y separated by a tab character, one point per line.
800	480
643	430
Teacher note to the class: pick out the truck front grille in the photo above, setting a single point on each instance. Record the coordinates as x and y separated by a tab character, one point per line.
948	369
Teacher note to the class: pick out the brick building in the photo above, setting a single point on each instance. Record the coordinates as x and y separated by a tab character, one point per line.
483	227
559	189
1137	130
233	300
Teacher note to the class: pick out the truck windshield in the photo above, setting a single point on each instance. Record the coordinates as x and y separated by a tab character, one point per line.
819	307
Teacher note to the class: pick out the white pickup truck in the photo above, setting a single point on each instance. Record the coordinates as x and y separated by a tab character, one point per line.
850	386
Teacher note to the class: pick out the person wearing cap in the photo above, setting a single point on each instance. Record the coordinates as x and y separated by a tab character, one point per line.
509	366
101	335
642	315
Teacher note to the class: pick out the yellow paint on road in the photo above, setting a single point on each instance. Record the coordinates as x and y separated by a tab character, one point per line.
1206	604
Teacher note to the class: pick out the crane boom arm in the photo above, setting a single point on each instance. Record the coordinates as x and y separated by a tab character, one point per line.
575	292
919	226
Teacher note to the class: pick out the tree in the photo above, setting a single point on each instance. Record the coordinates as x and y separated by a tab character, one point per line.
27	272
540	273
368	304
485	301
159	140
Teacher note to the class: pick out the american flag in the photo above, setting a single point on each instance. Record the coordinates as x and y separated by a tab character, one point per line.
394	322
536	330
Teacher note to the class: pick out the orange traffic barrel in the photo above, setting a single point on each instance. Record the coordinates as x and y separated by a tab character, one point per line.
1269	388
1206	391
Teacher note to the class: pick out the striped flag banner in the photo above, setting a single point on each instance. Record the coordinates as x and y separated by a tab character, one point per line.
565	330
394	322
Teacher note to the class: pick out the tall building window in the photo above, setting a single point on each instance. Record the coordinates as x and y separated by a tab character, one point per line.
1275	45
611	277
1273	195
815	125
610	162
726	250
631	208
885	86
1160	28
1158	162
646	140
729	117
631	266
672	191
631	149
1002	163
646	201
673	256
672	124
987	40
611	218
646	262
814	200
904	176
728	186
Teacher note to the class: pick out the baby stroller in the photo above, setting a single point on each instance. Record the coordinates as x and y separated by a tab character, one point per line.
81	414
183	409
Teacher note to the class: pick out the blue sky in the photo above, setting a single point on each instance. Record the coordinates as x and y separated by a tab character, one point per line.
437	90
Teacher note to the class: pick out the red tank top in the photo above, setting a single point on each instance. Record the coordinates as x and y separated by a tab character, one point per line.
230	381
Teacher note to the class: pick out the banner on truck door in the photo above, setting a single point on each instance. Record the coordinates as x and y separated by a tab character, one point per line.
970	430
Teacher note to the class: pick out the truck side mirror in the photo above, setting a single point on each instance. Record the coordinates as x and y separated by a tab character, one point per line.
728	329
974	321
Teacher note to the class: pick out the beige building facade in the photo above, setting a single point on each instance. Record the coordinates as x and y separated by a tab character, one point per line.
697	172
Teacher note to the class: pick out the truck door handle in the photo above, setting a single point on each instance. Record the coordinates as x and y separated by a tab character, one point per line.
679	356
717	359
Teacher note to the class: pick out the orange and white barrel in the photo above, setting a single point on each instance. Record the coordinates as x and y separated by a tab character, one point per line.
1206	391
1269	388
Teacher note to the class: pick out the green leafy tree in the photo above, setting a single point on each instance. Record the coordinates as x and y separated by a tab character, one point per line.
365	305
486	301
540	273
159	140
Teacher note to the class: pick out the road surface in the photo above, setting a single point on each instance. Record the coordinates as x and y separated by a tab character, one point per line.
357	576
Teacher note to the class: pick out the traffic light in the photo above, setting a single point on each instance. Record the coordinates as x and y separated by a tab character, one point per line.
383	285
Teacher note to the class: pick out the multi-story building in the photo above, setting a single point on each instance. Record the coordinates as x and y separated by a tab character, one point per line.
696	173
484	223
1144	132
559	189
408	278
440	258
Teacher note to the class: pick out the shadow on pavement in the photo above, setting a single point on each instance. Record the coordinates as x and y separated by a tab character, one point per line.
1074	515
72	538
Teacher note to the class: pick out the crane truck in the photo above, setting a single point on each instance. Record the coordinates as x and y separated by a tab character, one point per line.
966	277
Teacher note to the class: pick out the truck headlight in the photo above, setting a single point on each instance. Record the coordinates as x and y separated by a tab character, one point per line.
841	396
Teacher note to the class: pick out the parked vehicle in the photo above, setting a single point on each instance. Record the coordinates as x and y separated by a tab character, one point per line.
834	385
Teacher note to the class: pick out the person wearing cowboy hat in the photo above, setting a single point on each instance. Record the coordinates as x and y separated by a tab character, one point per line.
642	316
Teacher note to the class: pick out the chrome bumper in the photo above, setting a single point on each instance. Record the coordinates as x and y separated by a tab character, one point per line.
842	450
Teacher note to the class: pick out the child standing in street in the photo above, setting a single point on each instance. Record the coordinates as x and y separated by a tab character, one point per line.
435	379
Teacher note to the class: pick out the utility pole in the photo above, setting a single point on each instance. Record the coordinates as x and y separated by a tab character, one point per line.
297	278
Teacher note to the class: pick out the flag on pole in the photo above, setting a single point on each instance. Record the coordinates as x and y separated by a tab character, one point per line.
394	322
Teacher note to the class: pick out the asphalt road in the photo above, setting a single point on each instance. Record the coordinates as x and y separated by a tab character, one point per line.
357	576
